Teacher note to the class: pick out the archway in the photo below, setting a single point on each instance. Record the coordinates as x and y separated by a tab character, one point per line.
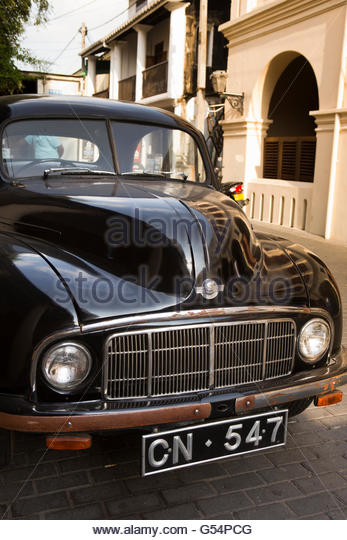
290	145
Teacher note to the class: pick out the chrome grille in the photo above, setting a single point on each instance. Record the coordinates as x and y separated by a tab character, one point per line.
279	354
180	361
187	359
128	365
239	354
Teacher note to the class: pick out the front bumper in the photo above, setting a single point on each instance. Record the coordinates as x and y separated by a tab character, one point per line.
302	385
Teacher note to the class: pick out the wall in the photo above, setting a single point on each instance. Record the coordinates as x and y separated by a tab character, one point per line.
57	86
102	82
261	48
133	9
129	50
243	7
338	229
295	94
319	40
160	32
280	202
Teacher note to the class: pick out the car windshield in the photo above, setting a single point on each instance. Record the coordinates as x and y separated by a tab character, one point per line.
75	147
31	147
145	150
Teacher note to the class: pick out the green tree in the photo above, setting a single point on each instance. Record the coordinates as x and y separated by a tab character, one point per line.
14	15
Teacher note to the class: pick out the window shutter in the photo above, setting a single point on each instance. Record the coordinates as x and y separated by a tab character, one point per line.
289	158
271	154
307	160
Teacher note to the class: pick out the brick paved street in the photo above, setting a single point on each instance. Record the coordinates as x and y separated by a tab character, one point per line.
307	479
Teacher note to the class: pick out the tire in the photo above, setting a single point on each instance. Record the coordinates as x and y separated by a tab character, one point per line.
5	447
297	407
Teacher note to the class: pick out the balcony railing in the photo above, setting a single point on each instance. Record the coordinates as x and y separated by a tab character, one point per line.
126	89
155	80
102	93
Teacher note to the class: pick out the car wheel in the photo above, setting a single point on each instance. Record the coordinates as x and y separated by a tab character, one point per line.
5	447
297	407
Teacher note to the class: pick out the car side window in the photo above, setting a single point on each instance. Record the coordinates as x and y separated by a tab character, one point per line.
158	150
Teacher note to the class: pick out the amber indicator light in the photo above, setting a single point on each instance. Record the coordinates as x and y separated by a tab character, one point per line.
328	399
68	442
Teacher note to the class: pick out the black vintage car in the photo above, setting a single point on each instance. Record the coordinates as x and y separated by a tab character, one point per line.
135	294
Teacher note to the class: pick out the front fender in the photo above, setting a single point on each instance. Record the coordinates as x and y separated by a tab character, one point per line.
321	287
28	310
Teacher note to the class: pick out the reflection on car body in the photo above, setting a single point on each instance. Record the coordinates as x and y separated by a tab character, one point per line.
136	294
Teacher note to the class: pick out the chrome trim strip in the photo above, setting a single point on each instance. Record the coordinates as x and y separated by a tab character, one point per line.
150	364
105	377
265	347
211	357
167	316
192	314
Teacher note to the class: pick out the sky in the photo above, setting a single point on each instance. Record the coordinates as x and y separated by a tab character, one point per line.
59	42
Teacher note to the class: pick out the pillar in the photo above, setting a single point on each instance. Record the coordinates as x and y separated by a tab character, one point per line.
338	215
243	149
91	76
141	54
325	122
176	53
115	68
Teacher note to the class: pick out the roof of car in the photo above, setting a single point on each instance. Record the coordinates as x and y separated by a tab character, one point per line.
29	106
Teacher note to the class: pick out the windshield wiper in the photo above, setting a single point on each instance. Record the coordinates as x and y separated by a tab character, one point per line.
77	170
160	174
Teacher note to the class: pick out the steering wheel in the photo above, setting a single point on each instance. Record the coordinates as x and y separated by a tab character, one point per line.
35	163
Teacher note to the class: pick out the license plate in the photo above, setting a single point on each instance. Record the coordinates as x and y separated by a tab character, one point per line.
192	445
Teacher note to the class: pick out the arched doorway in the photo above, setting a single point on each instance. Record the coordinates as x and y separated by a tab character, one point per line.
290	144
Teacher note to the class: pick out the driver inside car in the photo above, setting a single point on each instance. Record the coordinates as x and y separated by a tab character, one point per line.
45	146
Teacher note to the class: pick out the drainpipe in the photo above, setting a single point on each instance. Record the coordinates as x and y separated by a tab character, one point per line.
201	75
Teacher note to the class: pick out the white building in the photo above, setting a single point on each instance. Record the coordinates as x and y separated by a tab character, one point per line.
37	82
152	57
289	57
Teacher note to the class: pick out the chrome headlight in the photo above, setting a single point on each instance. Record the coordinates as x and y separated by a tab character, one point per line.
314	340
66	365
